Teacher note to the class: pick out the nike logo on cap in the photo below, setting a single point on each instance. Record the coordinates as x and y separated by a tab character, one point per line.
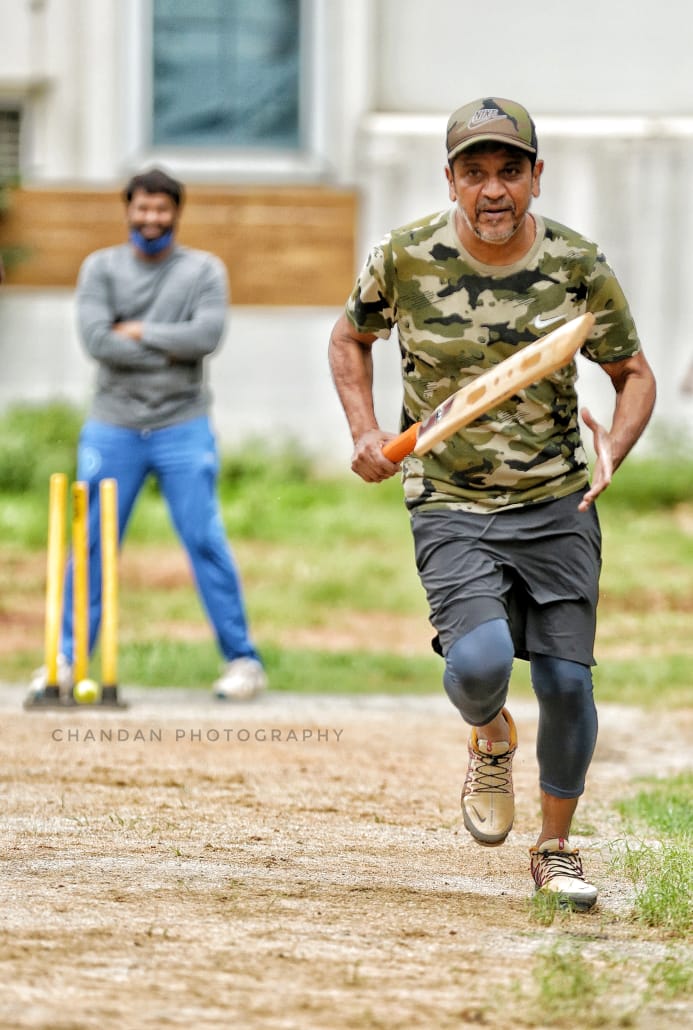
544	323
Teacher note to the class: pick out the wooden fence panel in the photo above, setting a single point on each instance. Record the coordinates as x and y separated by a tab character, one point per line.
282	246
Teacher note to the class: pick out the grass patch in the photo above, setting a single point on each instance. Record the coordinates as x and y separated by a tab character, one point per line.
661	871
315	552
571	992
665	806
650	681
545	909
573	989
663	879
353	672
36	441
185	664
653	680
672	978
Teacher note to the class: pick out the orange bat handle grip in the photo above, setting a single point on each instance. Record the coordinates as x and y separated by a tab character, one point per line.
402	445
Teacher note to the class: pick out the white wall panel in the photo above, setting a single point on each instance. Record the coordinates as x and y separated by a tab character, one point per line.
556	58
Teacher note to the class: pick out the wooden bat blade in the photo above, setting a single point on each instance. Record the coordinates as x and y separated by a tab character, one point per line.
528	365
491	388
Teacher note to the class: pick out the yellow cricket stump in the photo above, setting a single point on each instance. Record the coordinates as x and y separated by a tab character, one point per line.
108	501
55	573
80	581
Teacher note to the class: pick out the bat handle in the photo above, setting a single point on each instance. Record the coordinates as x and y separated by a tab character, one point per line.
402	445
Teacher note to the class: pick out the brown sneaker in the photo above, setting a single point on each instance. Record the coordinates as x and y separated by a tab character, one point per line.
557	869
488	803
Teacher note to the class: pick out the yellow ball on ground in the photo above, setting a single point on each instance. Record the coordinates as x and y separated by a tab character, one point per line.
87	692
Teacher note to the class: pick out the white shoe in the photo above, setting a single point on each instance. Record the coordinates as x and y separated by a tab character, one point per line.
557	870
242	679
39	680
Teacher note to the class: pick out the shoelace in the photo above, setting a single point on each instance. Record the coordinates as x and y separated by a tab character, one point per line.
547	864
490	774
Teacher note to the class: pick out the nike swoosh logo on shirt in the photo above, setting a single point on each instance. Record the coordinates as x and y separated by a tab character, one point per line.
544	323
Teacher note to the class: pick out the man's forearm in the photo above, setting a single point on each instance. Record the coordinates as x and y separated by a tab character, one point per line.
351	363
118	350
186	341
635	398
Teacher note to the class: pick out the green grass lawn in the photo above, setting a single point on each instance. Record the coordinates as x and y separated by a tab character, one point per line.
317	554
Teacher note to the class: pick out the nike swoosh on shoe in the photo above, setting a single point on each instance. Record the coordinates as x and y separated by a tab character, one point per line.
478	814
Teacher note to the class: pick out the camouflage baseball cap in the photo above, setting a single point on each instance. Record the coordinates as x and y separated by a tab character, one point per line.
491	118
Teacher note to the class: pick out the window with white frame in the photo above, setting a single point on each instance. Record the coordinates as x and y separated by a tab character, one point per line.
226	74
10	144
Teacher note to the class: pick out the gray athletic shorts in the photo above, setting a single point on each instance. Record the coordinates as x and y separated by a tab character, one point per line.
537	566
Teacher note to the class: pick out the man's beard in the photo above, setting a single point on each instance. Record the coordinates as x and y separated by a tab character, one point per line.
494	236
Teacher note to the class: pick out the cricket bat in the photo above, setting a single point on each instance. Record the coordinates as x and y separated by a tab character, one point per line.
486	391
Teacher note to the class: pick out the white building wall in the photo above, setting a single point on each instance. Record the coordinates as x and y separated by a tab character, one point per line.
597	57
16	56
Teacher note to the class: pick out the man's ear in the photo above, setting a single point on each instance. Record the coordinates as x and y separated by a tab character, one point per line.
452	193
536	178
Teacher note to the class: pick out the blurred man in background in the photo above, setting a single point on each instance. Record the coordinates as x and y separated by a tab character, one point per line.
150	312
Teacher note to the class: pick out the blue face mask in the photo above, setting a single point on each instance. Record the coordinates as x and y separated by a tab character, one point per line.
151	247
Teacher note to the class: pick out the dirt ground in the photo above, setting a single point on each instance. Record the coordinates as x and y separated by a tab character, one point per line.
295	862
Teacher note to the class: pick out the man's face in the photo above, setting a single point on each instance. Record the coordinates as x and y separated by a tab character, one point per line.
151	214
493	189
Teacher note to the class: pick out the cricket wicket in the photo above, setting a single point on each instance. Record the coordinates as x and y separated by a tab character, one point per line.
55	575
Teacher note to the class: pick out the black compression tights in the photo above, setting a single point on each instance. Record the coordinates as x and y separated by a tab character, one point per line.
477	672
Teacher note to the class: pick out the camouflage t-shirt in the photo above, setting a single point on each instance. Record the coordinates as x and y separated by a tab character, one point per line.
455	318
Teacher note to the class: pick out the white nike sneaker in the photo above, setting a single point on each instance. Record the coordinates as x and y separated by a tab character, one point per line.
241	680
488	802
557	869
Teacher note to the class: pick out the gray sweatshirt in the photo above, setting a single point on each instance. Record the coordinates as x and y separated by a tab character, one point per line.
182	301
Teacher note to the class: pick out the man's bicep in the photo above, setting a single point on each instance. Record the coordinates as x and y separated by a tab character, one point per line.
346	330
93	296
619	372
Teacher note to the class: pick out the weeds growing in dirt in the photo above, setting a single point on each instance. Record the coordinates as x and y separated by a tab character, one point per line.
545	909
662	875
664	805
661	871
570	992
671	978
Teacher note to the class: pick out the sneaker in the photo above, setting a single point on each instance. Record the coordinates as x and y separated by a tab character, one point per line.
488	804
242	679
557	869
39	681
